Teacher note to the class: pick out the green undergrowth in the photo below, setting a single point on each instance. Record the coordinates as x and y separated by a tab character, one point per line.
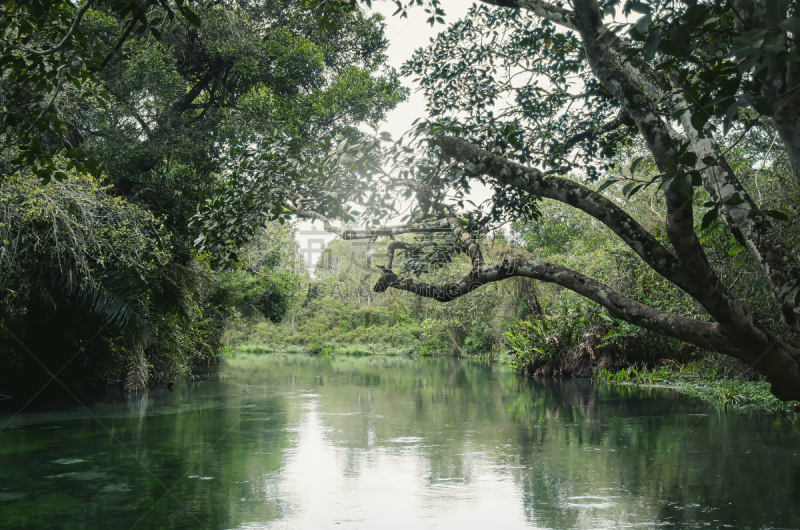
338	338
713	378
328	348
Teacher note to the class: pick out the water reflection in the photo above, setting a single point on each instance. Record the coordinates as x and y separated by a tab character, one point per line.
305	442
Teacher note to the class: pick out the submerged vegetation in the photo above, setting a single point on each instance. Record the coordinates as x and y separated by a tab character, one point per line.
710	378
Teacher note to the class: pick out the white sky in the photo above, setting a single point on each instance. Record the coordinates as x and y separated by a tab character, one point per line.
404	36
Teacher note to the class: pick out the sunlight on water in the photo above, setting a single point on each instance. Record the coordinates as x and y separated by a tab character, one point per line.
300	442
383	485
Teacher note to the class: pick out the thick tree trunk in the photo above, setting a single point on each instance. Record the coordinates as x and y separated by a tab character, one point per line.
645	96
637	86
766	354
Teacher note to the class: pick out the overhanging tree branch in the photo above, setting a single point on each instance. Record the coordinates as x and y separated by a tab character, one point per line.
61	45
477	161
761	350
698	332
601	130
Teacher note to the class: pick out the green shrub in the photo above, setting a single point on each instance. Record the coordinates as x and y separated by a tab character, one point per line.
103	276
479	343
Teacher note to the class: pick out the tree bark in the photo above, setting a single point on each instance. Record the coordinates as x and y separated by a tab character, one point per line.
776	360
637	86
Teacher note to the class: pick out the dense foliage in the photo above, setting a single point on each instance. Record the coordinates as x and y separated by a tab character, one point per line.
162	97
540	101
234	113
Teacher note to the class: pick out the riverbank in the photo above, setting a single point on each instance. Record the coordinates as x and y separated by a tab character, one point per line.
348	339
713	378
579	344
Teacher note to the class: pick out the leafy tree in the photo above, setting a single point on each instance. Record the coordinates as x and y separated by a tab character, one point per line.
684	80
267	284
158	94
75	260
45	49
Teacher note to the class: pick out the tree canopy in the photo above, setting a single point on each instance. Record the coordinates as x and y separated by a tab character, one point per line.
252	108
140	110
544	101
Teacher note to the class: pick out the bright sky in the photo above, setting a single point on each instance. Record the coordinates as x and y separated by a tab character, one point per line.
404	35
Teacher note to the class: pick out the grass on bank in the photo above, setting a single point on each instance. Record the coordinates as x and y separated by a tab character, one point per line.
328	348
632	356
356	340
267	337
713	378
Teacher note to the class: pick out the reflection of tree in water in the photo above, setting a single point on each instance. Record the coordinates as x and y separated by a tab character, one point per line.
582	454
213	445
598	453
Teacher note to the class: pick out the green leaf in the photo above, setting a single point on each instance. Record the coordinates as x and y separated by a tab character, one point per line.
635	164
192	17
640	7
757	103
775	9
678	42
606	184
627	188
735	200
635	190
709	218
788	288
684	184
652	42
776	214
689	158
643	23
730	116
791	24
738	249
699	119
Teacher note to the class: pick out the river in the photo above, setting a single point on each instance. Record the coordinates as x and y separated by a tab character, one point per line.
303	442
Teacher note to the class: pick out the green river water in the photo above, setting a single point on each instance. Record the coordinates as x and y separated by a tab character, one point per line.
301	442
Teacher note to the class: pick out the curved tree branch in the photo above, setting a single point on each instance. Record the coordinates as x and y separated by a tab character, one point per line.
478	161
700	333
767	354
612	125
61	45
636	85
